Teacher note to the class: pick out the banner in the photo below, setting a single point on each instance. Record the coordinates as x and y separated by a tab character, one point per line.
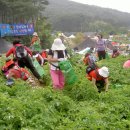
5	30
16	29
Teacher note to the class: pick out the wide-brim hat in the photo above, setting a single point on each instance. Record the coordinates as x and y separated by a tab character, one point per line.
58	45
104	72
35	34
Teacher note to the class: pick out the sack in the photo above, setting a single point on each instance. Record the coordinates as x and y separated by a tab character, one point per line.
69	73
38	67
65	65
20	52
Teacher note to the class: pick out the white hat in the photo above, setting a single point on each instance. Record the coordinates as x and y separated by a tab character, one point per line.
58	45
35	34
103	72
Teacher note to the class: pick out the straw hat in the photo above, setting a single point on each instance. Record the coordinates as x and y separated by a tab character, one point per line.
58	45
103	72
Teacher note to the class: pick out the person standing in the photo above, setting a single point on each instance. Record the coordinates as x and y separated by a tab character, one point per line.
56	54
101	47
35	43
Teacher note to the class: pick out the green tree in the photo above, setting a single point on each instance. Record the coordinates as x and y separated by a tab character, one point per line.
44	30
17	11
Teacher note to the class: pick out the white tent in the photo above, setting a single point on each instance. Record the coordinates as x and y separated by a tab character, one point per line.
72	36
83	51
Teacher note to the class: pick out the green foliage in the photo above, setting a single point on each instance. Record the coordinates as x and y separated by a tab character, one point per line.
44	31
17	11
77	107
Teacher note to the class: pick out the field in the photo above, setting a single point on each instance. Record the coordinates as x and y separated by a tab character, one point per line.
77	107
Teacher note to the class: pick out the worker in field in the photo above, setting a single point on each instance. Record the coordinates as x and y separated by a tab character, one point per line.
99	78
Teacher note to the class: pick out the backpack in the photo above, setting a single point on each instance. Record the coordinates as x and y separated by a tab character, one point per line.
91	68
20	52
91	65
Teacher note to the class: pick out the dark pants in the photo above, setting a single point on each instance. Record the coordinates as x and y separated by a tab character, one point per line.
100	85
28	63
101	55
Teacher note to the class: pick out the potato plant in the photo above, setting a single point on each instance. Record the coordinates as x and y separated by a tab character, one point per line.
77	107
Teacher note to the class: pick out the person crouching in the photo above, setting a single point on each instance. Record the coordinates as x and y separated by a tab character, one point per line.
99	78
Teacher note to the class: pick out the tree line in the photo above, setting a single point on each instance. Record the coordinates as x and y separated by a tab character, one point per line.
17	11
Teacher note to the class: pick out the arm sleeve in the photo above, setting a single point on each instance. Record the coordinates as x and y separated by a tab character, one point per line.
28	50
11	51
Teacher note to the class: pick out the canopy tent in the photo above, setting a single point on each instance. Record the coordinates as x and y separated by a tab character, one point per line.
72	36
84	51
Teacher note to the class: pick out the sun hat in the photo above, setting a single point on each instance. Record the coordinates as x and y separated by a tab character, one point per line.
103	72
35	34
58	45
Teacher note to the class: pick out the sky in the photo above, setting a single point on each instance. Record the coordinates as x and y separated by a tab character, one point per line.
121	5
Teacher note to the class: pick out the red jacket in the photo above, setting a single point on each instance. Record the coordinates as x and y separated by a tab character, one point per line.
12	50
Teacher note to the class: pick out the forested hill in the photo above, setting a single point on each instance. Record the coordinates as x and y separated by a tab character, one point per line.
66	15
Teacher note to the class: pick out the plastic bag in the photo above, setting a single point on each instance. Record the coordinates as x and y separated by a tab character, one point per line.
69	73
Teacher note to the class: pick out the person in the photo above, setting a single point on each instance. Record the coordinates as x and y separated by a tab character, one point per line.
24	61
126	64
17	72
115	53
89	58
101	47
89	61
38	57
8	64
99	78
56	54
35	43
44	55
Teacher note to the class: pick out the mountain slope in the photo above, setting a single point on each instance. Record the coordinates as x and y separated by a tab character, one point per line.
70	16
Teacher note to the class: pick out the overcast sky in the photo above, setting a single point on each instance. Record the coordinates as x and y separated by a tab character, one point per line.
121	5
